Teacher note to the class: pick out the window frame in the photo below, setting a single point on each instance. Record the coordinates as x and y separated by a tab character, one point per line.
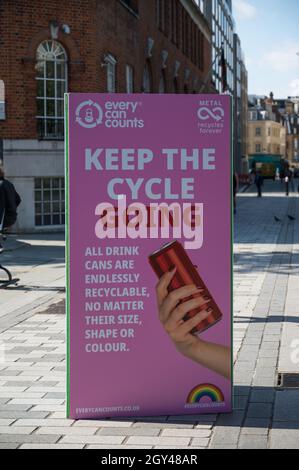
162	83
147	68
129	78
111	63
43	213
47	97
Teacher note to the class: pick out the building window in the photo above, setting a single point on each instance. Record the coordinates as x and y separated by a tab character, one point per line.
167	18
147	79
258	131
162	83
258	148
129	79
174	22
49	201
51	68
160	14
186	26
201	58
2	100
111	73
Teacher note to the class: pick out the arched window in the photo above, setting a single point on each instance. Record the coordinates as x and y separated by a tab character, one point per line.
51	77
2	100
162	83
147	79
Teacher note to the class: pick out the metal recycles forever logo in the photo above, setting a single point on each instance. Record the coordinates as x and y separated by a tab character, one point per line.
204	113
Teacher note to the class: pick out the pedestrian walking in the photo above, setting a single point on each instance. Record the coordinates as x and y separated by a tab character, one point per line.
259	181
9	202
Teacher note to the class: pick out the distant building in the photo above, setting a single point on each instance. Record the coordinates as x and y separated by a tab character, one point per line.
266	129
134	46
289	110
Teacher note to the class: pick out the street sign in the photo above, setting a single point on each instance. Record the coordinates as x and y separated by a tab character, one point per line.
149	264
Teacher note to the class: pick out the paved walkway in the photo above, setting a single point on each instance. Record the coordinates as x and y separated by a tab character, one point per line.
32	371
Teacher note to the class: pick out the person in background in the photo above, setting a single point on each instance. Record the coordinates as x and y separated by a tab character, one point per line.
259	183
9	202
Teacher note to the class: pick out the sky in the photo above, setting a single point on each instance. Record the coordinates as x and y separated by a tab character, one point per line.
269	33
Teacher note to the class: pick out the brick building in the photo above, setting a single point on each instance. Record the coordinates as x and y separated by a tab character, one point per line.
46	49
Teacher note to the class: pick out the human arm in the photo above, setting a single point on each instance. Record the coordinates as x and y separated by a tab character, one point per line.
171	313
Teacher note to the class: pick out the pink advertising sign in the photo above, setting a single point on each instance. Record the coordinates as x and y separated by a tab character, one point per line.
149	265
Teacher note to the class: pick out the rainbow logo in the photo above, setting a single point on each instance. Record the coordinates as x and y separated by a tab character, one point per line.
205	391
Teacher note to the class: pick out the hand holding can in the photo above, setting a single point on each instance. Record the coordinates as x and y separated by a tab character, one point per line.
173	255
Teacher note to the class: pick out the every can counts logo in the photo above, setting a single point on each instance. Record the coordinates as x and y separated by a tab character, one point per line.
111	114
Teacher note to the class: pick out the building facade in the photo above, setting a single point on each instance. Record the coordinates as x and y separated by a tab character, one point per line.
227	45
126	46
289	109
220	16
265	135
240	109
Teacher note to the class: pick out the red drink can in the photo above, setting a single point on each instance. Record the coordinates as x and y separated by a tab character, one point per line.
174	255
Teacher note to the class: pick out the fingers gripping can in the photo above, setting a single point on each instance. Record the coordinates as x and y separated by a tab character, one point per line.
174	255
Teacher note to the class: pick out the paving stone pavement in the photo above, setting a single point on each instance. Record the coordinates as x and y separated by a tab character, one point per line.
32	333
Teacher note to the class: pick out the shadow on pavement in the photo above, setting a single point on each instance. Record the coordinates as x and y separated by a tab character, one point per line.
248	261
31	288
267	319
255	407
